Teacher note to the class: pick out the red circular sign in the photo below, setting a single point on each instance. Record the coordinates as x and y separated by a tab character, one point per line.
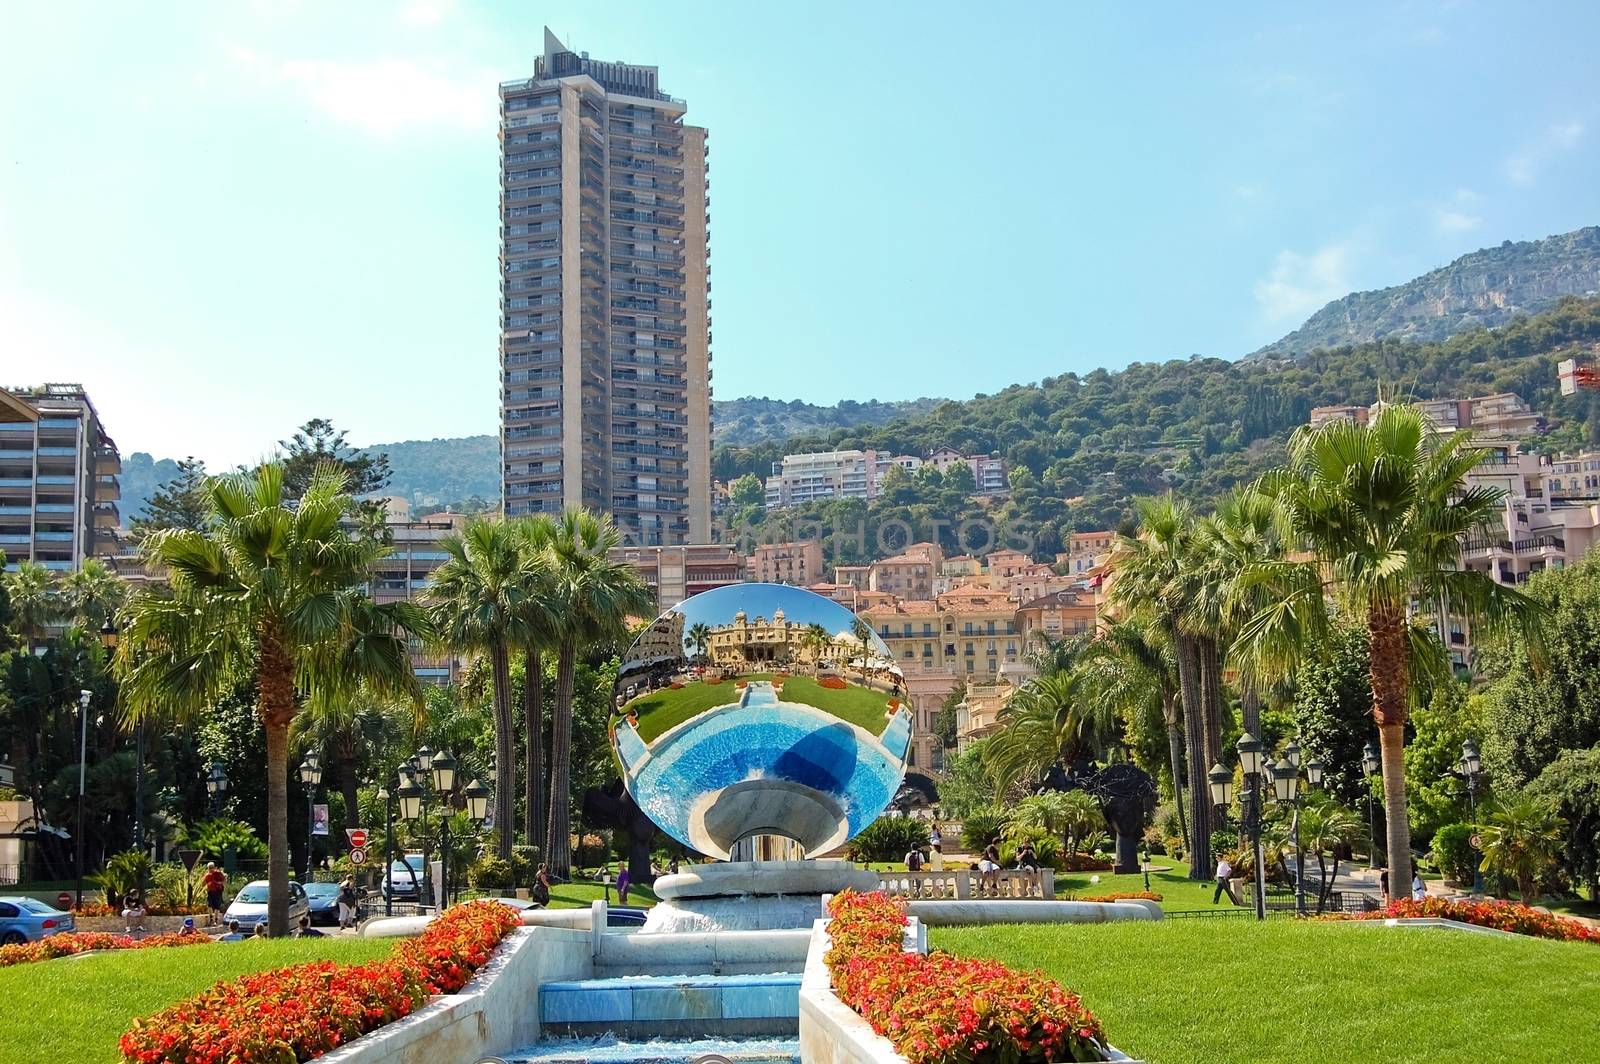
358	837
64	900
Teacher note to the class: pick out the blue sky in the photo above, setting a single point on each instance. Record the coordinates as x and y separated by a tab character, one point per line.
226	218
716	608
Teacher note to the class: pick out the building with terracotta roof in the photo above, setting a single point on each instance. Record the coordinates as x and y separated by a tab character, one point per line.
1057	615
908	575
798	562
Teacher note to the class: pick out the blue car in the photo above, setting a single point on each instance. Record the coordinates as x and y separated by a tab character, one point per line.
29	920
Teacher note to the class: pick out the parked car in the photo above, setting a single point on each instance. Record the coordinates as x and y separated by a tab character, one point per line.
29	920
324	900
250	905
405	877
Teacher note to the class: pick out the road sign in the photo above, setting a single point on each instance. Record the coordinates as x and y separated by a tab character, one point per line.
358	837
190	858
64	901
358	856
1475	840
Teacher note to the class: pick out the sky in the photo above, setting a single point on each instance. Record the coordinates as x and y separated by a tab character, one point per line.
717	607
225	219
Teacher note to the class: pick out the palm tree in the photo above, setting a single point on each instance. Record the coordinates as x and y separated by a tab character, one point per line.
1130	665
1382	508
540	627
1325	826
36	601
1048	720
594	597
93	594
816	640
1523	839
1156	576
863	632
698	637
477	602
272	589
352	729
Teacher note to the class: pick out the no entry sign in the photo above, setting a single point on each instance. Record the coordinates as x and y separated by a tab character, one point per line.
358	837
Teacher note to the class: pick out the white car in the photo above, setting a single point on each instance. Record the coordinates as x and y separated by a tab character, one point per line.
250	905
405	877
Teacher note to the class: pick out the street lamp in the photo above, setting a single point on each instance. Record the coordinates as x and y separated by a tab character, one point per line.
83	767
388	851
216	786
1286	787
1221	783
1291	754
1250	800
1471	765
477	801
1369	768
108	640
311	775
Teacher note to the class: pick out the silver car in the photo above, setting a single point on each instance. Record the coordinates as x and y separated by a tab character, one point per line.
250	905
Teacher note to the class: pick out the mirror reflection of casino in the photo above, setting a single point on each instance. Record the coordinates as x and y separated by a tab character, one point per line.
761	718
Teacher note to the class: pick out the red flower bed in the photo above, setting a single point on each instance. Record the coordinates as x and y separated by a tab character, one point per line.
832	683
65	945
1500	915
305	1010
942	1009
1137	895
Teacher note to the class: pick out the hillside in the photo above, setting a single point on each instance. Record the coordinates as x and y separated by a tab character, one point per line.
1083	447
741	422
1483	289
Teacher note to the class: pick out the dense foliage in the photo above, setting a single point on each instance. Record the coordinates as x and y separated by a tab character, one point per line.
942	1009
889	838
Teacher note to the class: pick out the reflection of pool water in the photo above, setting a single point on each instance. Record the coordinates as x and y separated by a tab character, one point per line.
763	738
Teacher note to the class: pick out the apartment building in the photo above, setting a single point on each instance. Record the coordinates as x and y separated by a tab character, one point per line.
402	576
852	473
978	712
798	563
909	574
1057	615
1500	414
676	572
605	298
59	474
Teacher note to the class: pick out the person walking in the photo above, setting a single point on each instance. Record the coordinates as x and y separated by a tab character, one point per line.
936	859
1224	875
935	837
214	882
913	860
347	903
624	881
541	887
1419	889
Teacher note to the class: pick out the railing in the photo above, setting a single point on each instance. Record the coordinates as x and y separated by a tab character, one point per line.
964	883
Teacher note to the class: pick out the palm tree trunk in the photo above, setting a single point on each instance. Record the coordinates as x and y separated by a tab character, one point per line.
1199	793
348	787
1387	649
505	754
1250	708
533	815
559	840
1175	752
275	704
1211	698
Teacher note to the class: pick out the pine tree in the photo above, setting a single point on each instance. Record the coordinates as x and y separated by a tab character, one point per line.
179	503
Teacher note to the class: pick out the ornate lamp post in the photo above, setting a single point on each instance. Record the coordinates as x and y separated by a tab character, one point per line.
1250	801
1286	785
388	850
311	775
83	770
1471	766
441	772
216	786
1369	769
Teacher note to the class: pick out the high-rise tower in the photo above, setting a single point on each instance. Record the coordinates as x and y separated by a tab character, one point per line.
605	323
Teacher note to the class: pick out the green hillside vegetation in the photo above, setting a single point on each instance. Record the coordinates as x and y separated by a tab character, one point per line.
1486	288
1082	447
752	420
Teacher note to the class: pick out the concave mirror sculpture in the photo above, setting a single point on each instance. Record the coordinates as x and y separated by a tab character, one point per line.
760	720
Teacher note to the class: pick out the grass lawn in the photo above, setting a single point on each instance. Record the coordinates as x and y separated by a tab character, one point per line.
581	894
661	711
1182	991
75	1008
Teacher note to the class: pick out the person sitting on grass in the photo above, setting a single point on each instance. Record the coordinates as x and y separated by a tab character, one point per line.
260	931
305	930
233	934
188	927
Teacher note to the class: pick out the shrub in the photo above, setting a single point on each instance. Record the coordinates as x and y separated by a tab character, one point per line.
172	885
1454	854
524	865
832	683
122	873
591	851
979	826
305	1010
490	873
889	838
1046	847
213	837
941	1009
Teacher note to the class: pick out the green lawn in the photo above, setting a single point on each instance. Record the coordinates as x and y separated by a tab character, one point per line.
1182	991
75	1008
661	711
582	894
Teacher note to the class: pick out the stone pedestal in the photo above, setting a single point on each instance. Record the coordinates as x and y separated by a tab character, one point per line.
751	895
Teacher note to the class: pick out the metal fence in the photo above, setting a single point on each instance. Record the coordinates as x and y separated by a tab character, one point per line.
1281	902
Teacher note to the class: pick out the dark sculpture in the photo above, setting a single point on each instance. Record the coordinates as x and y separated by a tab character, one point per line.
1127	797
614	807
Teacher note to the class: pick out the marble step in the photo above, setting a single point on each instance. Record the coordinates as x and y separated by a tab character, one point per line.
677	1006
656	1051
